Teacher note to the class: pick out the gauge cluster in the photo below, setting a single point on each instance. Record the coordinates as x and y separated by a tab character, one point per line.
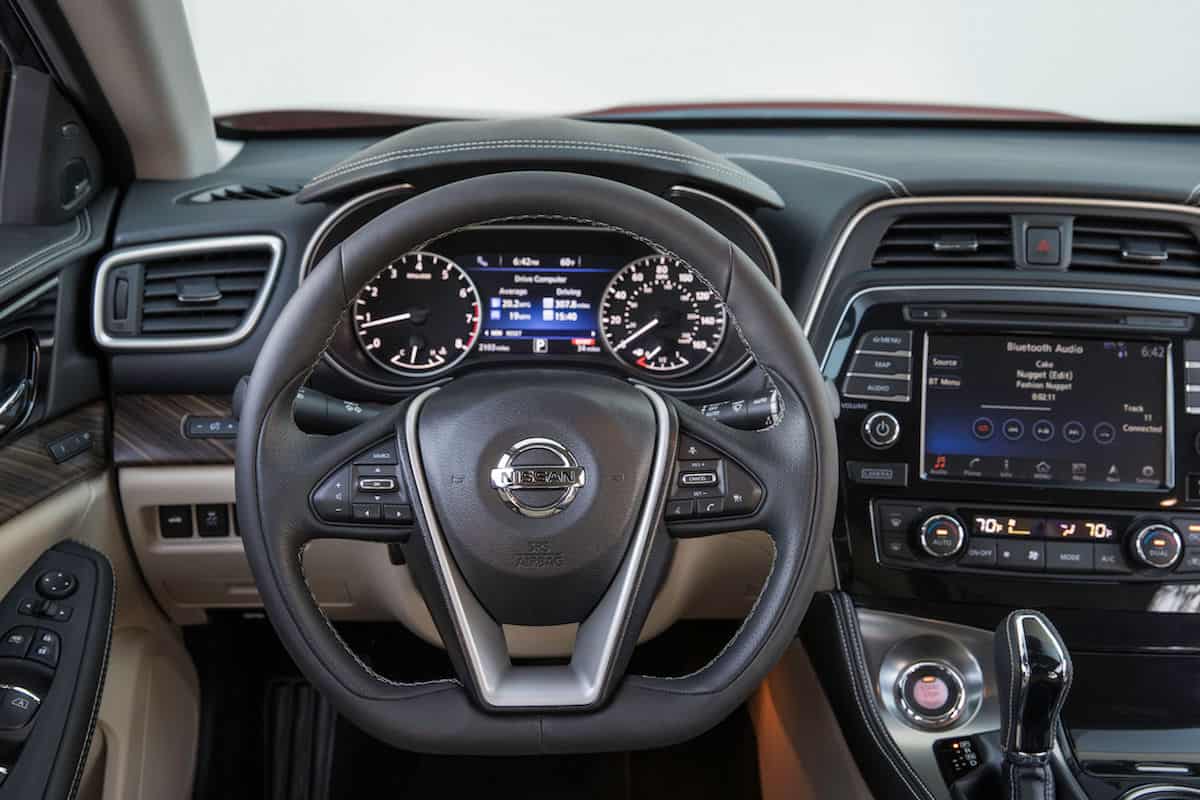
497	294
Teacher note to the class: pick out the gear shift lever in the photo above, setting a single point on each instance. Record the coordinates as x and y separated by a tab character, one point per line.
1033	675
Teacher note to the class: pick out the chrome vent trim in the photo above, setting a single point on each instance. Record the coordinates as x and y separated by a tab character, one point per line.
177	249
946	239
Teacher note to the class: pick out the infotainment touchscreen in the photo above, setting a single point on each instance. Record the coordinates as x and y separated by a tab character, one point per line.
1090	413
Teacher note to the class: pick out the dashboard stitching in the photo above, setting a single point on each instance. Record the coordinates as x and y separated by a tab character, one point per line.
83	229
893	185
778	418
372	673
858	667
531	144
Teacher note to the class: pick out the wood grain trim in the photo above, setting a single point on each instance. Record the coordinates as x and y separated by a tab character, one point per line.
148	429
29	475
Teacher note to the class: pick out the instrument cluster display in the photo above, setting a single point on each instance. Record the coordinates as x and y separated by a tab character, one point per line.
521	294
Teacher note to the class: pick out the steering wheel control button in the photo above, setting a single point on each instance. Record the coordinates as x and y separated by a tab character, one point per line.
331	500
880	430
710	508
930	694
398	513
16	642
386	485
367	512
56	584
680	509
694	450
1157	546
175	522
698	479
17	707
878	473
382	453
44	650
941	536
212	520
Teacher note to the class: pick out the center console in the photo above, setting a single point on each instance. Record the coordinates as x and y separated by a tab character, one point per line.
1042	441
1031	446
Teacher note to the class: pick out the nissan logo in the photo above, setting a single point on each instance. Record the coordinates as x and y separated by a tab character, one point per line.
537	477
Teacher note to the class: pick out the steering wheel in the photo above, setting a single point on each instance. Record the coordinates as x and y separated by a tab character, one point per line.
538	497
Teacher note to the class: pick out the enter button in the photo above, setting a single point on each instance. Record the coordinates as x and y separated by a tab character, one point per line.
1069	556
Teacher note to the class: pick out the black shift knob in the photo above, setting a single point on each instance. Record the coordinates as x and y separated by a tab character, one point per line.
1033	669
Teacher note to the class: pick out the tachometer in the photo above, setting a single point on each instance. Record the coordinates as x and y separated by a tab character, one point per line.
419	315
657	315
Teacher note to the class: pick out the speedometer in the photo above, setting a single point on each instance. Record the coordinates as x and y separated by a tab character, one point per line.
657	315
419	316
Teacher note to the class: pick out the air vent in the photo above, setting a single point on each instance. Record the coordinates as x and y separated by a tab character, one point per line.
203	293
243	191
1134	245
34	311
935	240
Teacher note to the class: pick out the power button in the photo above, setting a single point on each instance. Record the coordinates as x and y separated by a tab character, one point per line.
880	430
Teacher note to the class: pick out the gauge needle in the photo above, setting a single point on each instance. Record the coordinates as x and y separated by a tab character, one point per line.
387	320
652	323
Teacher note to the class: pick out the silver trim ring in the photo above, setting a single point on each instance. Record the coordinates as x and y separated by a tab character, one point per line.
926	721
183	247
580	683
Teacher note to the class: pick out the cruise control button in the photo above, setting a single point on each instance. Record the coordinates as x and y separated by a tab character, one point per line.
979	553
693	449
698	479
1070	556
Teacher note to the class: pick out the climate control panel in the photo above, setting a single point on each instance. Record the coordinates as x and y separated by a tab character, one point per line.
1076	544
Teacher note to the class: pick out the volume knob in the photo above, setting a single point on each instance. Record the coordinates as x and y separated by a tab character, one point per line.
941	536
1157	546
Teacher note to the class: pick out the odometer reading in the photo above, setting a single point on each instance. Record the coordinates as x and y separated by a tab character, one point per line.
657	315
419	315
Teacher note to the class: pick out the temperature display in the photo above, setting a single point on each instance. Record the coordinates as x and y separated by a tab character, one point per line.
1079	529
996	525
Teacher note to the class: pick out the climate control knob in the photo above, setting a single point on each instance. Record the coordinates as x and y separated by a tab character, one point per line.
1157	546
941	536
881	430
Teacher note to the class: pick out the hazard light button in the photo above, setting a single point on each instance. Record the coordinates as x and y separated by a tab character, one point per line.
1043	246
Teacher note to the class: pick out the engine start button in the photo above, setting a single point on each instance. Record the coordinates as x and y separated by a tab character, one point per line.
931	695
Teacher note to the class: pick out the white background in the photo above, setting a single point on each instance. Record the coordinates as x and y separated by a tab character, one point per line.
1130	61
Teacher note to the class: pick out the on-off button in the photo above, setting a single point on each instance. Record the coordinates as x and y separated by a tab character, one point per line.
881	430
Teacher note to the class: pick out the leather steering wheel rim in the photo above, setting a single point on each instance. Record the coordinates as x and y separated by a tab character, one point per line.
796	460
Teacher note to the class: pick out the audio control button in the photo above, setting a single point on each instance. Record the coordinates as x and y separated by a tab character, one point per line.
881	430
1157	546
941	536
